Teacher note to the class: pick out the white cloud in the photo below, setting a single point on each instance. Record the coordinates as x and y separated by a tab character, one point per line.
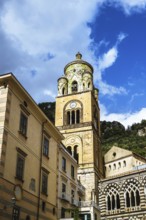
131	6
126	119
106	61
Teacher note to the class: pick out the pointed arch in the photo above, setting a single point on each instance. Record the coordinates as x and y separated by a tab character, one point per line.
131	192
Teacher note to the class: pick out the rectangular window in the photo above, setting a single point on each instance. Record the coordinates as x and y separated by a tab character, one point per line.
23	124
63	164
62	212
72	196
20	167
46	146
72	171
63	188
43	206
44	183
15	214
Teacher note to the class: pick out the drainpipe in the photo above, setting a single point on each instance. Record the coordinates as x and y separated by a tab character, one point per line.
39	191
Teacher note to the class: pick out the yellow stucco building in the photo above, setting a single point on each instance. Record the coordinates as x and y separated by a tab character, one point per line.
29	149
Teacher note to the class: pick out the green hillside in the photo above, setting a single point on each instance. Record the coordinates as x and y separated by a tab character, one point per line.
114	133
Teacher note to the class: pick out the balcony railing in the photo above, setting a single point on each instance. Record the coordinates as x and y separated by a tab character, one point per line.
88	204
81	188
65	197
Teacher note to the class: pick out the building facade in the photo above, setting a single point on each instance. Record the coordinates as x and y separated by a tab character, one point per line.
123	190
29	149
70	192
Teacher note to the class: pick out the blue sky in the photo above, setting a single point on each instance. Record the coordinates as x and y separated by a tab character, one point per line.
39	37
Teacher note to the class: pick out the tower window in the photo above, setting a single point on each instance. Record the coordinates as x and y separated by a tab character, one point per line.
78	117
73	117
74	86
76	156
63	91
69	150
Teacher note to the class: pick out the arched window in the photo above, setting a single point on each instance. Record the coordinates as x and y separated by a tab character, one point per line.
74	86
69	150
89	85
114	167
108	203
132	196
63	91
119	165
76	155
83	86
68	117
124	163
73	117
78	116
127	200
113	198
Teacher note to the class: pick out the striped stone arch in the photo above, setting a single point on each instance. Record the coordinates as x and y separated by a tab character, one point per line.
112	196
144	185
131	188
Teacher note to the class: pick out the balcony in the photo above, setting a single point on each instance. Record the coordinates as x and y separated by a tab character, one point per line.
75	202
81	189
64	197
90	203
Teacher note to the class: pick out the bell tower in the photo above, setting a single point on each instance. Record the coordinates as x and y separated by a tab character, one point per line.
78	119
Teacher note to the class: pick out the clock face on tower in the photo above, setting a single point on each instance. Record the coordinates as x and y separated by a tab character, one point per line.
73	104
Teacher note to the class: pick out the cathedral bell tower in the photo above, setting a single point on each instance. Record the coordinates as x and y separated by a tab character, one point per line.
78	119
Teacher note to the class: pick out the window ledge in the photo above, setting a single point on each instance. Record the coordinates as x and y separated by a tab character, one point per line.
20	132
64	170
19	179
45	194
46	156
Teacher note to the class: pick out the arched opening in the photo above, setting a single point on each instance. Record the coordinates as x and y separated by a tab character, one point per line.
124	163
63	91
89	85
137	198
83	86
76	155
74	86
119	165
73	117
118	201
113	202
108	203
68	117
127	200
78	116
114	166
132	199
69	150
